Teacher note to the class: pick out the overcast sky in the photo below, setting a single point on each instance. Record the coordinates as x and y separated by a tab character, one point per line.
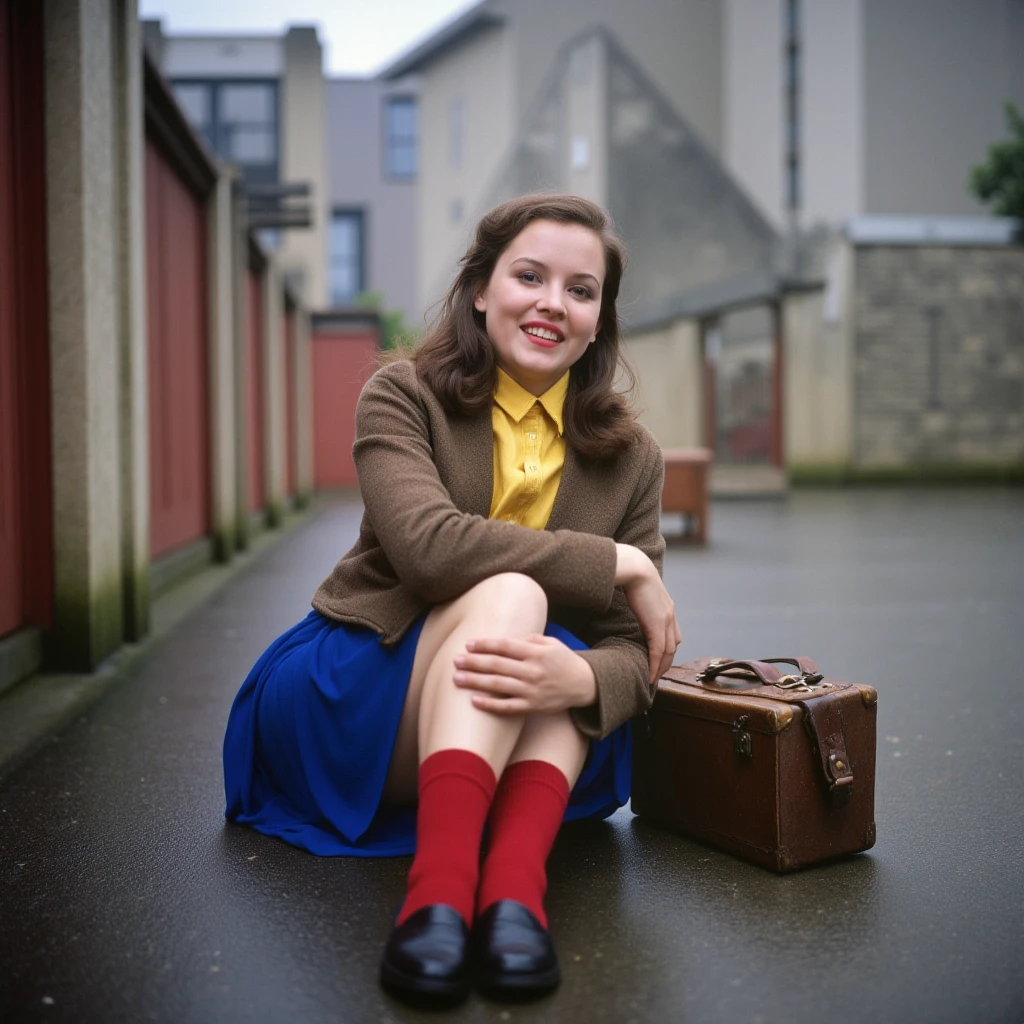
358	36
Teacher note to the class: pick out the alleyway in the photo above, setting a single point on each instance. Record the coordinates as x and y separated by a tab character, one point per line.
125	897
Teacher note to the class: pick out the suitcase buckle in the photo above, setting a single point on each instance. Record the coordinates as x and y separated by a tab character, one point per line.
802	683
741	741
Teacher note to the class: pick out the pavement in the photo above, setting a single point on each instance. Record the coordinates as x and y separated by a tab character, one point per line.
124	896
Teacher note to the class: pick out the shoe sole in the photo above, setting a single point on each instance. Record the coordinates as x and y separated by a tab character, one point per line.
433	991
513	988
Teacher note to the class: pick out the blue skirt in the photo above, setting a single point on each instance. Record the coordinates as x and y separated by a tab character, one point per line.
311	733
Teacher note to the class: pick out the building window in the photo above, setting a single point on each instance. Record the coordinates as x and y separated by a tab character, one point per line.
347	250
791	105
238	120
400	137
456	133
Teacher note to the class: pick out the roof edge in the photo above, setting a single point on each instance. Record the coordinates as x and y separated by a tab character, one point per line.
448	36
874	229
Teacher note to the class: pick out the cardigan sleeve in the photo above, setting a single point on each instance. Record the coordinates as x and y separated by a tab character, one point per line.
438	551
618	651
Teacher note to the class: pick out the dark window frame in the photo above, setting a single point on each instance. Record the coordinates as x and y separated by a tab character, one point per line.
269	173
792	86
359	214
388	139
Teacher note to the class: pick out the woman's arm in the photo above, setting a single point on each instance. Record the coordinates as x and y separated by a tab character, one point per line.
435	549
620	657
633	642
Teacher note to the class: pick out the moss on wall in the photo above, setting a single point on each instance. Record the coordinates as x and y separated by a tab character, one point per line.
86	630
842	475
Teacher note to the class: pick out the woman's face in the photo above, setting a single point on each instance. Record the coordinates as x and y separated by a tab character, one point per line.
542	303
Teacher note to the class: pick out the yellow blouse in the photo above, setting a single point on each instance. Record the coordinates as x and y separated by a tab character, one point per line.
529	451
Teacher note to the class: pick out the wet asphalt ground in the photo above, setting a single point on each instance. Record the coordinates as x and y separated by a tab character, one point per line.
124	896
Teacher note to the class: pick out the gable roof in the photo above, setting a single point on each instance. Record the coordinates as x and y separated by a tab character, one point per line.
463	28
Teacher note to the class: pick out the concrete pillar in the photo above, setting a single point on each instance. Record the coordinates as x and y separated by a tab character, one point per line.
818	375
304	404
303	253
224	439
134	432
273	392
86	318
670	371
240	243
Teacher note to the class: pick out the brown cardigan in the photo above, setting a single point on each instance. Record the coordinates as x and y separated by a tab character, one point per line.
426	480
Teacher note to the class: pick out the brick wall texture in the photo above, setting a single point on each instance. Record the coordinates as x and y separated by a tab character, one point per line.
938	356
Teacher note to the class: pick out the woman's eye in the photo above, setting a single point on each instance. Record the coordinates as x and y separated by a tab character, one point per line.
582	291
529	276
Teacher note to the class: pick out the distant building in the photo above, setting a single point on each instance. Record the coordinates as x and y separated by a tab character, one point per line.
734	142
373	151
259	103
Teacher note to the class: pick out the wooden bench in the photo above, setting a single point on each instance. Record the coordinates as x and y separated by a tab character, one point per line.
686	489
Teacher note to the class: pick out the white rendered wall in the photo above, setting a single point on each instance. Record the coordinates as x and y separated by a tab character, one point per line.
832	115
480	75
752	101
936	75
670	373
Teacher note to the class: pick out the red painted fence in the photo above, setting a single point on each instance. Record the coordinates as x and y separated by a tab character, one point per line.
176	254
345	355
26	558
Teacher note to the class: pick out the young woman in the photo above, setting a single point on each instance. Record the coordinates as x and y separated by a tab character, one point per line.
474	660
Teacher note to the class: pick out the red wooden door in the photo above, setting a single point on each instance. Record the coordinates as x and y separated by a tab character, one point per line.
254	392
179	462
10	491
26	583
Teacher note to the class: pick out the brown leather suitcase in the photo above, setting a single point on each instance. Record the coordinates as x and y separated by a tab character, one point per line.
777	767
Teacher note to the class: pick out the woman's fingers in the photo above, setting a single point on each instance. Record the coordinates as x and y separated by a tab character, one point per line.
500	685
501	705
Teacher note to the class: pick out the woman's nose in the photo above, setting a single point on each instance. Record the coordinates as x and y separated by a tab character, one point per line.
550	301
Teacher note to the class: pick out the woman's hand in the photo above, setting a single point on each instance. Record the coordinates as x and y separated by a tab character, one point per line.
531	675
651	604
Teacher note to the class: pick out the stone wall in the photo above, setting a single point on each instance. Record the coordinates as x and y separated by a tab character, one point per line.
938	356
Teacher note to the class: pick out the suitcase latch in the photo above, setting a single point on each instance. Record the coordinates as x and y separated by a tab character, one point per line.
741	740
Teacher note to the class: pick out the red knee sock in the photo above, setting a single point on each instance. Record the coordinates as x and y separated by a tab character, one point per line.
456	788
528	809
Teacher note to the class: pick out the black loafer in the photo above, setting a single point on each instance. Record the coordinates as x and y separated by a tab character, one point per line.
426	959
513	956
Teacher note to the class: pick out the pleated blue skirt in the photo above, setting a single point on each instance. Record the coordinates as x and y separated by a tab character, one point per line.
311	733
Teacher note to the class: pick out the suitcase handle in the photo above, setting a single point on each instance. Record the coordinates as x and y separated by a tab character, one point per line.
822	719
765	671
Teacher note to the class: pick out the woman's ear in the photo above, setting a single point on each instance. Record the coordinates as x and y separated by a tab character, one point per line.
480	301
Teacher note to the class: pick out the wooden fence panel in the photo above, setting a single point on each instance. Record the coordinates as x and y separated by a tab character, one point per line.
342	363
176	240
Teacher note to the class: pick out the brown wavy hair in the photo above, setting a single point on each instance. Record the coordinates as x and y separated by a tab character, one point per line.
456	358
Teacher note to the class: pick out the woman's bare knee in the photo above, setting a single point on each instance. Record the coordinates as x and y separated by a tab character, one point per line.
505	595
554	739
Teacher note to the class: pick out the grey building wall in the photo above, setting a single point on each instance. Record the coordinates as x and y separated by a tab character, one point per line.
358	180
936	73
679	43
938	356
498	76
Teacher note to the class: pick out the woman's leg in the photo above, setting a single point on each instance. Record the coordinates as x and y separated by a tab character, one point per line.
527	812
453	750
439	715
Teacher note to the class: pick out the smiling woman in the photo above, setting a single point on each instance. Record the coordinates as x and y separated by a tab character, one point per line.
542	303
476	657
